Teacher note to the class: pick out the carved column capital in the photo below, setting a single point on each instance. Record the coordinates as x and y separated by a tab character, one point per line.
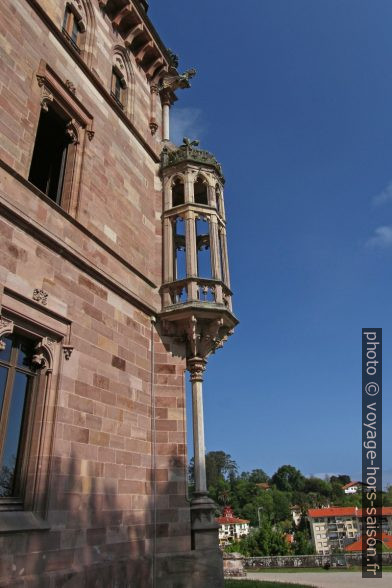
167	98
196	367
6	328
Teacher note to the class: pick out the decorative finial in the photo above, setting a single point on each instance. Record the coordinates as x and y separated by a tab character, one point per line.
188	143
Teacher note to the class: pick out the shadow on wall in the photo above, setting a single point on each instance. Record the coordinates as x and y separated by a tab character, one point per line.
102	529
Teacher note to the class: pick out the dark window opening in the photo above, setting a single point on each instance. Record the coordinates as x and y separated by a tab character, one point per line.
16	386
50	154
118	88
200	190
203	248
178	195
71	28
180	250
218	197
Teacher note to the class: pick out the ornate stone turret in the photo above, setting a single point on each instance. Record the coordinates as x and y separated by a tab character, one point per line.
196	295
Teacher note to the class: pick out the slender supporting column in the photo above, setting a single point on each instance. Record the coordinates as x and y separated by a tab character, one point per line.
166	121
214	244
225	259
191	253
204	527
188	187
197	367
168	258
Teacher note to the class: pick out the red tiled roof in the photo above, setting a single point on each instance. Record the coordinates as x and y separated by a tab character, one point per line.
352	484
228	518
231	521
289	537
357	546
342	511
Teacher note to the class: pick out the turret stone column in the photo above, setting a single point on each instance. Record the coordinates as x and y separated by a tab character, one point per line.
196	367
166	121
225	259
204	527
191	252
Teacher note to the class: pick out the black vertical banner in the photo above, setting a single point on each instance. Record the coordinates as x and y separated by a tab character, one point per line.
372	453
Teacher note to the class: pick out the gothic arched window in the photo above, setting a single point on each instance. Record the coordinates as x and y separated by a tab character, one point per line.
120	87
178	194
201	190
78	27
74	25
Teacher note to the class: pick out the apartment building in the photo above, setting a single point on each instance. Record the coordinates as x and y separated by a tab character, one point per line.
336	527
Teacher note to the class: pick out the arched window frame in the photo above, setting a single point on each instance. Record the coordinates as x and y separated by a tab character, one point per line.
122	75
177	179
81	13
32	479
58	96
204	180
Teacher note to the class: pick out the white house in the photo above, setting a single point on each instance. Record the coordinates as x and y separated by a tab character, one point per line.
352	487
231	528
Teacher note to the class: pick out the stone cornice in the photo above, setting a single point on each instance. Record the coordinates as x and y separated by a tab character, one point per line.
143	14
93	78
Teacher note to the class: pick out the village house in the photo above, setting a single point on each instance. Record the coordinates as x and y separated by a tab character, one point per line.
231	528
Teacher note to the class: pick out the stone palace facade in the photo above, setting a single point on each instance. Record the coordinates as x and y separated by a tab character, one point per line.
114	281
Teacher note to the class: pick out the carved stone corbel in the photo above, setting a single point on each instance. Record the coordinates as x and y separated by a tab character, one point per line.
67	350
141	53
132	34
44	354
46	94
71	87
6	328
72	132
192	335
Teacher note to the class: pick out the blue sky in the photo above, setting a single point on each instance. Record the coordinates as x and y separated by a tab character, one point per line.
294	97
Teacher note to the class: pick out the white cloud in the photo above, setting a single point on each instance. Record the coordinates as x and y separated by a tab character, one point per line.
382	237
384	196
185	122
324	475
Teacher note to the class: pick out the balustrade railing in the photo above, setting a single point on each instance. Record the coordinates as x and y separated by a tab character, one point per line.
198	290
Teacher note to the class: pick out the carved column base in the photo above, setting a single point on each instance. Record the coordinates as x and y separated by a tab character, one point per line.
203	525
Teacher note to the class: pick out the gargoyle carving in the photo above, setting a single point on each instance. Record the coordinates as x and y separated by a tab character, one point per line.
177	81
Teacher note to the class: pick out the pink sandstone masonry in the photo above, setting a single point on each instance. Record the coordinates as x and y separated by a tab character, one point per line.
108	445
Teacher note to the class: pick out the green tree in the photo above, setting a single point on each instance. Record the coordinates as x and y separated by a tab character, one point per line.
268	540
219	465
342	479
387	496
258	476
302	544
281	501
288	479
318	486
